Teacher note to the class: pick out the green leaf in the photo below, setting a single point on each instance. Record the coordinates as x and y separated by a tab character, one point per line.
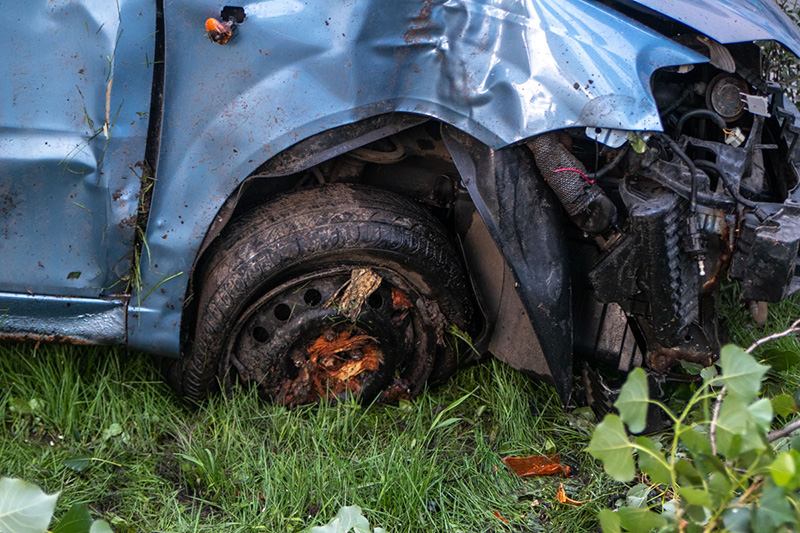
687	474
783	404
101	526
783	469
707	464
637	496
670	511
696	440
709	373
694	496
781	360
640	520
741	373
611	446
719	487
20	406
633	401
772	511
656	469
609	521
736	429
24	508
638	144
77	520
78	463
737	519
761	413
114	430
692	369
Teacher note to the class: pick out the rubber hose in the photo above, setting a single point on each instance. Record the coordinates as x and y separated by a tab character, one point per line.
586	203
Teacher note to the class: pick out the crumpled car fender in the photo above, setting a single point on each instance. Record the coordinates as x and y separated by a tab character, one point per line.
499	71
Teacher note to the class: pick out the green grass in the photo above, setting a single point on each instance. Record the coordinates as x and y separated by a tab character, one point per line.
236	464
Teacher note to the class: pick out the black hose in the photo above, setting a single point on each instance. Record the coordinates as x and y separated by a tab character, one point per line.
689	163
705	113
730	186
611	165
676	104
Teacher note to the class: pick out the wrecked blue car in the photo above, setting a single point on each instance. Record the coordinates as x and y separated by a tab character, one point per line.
331	198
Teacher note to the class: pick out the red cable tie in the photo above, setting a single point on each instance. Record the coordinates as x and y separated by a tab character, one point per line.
575	170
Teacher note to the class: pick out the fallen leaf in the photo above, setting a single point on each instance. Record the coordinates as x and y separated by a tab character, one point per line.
561	496
537	465
498	515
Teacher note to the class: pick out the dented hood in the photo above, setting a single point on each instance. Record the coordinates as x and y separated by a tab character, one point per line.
732	21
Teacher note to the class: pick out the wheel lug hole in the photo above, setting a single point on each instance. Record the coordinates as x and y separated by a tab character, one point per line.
312	297
375	300
283	312
260	334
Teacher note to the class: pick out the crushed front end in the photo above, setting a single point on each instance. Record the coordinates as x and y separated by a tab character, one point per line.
660	220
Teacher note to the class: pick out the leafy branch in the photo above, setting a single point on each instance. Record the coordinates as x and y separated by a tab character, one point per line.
718	471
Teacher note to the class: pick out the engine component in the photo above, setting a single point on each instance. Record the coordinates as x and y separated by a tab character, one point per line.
724	96
670	284
766	255
586	203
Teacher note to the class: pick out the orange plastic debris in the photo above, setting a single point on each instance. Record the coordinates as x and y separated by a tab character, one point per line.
400	300
537	465
370	362
561	496
498	515
343	342
219	32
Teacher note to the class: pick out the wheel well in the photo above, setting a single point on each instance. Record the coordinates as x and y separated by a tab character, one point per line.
401	153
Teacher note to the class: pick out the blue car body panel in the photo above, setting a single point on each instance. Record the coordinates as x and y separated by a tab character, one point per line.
73	127
500	71
733	21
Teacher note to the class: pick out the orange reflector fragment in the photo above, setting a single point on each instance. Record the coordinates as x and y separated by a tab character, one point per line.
217	31
537	465
561	496
498	515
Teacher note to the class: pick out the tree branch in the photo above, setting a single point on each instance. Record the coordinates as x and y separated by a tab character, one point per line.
794	328
712	432
784	432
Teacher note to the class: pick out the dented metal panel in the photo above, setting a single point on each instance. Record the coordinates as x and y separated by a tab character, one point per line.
73	121
500	71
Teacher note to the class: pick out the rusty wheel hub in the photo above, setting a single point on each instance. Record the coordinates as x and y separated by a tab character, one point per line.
299	347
